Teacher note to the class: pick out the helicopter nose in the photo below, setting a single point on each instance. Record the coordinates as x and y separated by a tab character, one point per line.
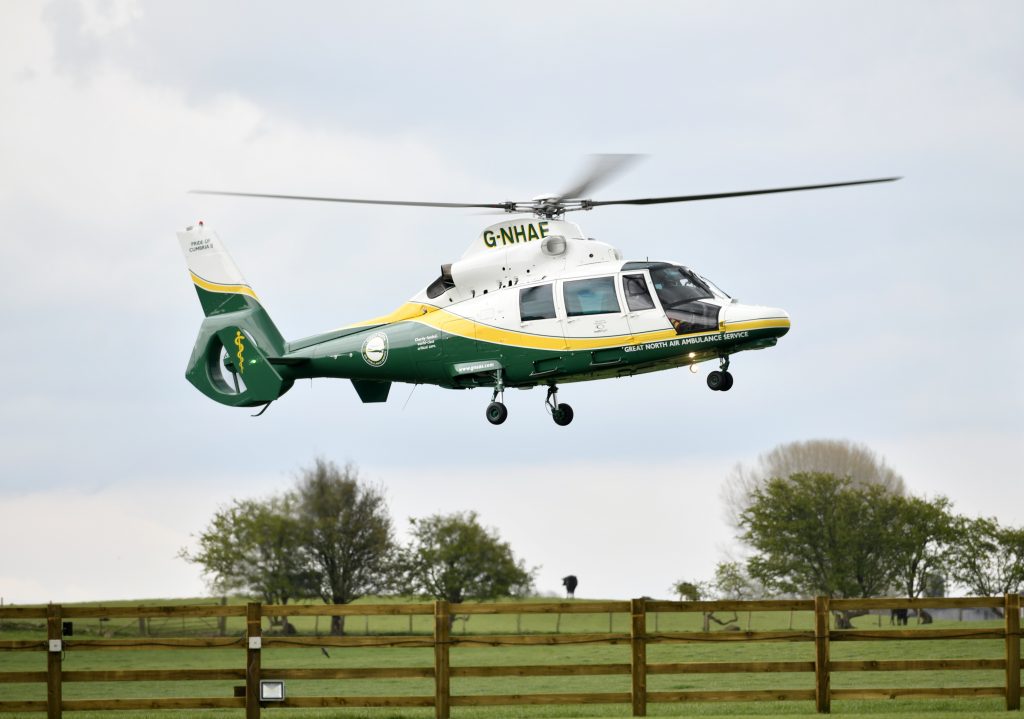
737	317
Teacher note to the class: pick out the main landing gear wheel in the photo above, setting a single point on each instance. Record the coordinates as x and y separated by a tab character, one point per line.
496	413
561	413
720	380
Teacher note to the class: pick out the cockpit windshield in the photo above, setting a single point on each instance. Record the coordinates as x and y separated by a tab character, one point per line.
718	291
677	285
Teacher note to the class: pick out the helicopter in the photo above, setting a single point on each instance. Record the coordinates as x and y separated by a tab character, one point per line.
532	302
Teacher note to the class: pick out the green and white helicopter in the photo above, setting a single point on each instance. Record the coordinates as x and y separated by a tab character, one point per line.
531	302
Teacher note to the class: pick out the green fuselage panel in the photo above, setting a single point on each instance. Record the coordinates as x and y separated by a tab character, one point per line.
412	352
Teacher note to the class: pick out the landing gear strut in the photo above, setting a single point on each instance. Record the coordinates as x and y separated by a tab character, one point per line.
561	413
721	380
497	412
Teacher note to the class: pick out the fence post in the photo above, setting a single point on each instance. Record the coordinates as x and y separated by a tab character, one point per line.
254	646
442	682
822	688
54	696
222	621
638	642
1011	614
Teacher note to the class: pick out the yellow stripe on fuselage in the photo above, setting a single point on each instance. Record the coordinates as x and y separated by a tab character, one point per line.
778	323
408	311
227	289
454	324
457	325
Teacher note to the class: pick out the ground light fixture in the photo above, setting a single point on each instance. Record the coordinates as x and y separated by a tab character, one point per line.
271	690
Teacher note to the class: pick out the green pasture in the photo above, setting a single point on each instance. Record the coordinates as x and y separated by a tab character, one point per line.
313	658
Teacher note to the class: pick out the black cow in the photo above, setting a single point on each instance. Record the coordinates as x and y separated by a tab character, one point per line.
570	586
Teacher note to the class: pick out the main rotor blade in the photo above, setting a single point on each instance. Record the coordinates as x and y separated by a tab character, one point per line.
492	205
718	195
602	168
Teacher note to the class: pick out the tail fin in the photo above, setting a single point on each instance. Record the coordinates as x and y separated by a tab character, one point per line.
235	323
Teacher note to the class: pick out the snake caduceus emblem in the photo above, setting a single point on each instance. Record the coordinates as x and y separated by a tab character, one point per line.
240	344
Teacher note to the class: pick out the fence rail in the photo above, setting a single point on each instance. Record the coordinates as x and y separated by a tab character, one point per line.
441	640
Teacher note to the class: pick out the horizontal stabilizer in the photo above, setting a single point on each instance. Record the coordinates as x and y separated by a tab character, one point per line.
229	366
288	361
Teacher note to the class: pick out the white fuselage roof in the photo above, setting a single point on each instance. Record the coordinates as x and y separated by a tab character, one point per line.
522	252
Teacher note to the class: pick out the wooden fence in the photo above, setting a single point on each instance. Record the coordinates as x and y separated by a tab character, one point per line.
639	637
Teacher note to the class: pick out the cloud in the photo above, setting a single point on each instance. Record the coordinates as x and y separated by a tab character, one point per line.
116	543
902	295
99	166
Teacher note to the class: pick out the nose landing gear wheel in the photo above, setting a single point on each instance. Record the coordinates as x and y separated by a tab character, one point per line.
720	381
496	413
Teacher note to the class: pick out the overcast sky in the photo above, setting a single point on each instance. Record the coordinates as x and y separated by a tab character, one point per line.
905	298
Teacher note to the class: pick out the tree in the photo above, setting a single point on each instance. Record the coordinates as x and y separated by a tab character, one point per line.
733	582
921	536
453	557
255	547
688	591
840	458
986	558
347	534
694	592
815	533
934	585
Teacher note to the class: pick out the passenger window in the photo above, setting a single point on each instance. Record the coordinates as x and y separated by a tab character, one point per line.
590	297
536	303
638	297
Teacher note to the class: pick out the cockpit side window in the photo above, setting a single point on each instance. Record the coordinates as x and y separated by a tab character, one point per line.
638	297
676	286
595	296
536	303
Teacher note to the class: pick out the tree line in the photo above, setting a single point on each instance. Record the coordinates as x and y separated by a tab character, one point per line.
814	518
830	518
332	537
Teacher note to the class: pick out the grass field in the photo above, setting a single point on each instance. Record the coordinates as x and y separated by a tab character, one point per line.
312	657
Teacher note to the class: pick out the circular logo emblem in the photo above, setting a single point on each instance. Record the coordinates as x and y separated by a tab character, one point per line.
375	349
